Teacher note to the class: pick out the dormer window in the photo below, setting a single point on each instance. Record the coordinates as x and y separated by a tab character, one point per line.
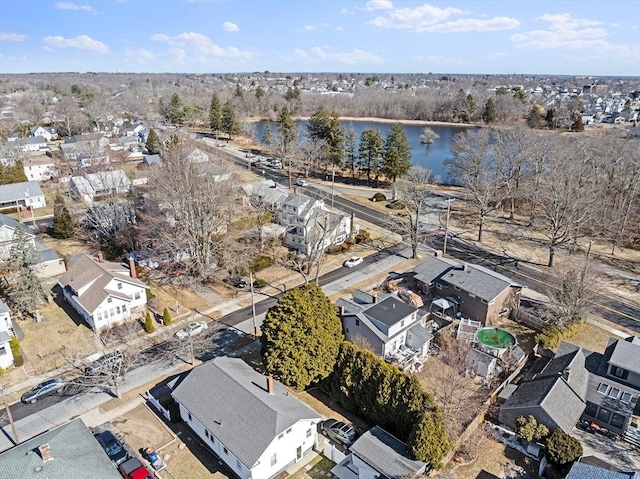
619	372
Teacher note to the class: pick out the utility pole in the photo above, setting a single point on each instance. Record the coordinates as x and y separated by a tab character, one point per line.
333	182
446	227
253	306
14	430
586	263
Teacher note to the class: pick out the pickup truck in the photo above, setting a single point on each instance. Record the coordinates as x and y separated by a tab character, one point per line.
133	469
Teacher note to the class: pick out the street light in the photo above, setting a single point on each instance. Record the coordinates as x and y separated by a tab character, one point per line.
446	227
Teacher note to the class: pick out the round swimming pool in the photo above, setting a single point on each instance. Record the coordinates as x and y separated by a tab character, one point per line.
495	340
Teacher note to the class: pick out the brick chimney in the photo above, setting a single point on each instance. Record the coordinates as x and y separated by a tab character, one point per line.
341	311
269	384
45	452
132	268
566	374
465	267
100	257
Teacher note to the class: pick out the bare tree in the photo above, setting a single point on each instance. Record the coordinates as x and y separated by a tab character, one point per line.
412	191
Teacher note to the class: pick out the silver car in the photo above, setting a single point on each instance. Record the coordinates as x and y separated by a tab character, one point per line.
339	431
43	389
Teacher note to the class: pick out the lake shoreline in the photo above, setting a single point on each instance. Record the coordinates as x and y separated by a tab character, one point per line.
381	120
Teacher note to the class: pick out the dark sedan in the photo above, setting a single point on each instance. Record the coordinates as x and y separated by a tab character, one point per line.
114	448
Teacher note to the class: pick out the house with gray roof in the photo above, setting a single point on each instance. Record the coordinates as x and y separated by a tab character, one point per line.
46	132
577	383
384	324
92	185
27	194
378	454
103	293
6	331
249	421
66	452
472	290
580	470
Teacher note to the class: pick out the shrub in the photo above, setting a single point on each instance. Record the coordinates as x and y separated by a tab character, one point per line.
334	249
563	449
363	236
396	205
166	317
551	336
378	197
14	344
261	263
148	324
530	430
259	283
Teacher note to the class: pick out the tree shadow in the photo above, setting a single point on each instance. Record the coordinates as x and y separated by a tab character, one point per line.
58	299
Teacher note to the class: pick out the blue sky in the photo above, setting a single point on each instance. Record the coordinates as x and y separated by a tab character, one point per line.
386	36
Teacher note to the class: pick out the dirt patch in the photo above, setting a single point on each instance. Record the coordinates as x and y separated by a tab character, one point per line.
141	428
67	247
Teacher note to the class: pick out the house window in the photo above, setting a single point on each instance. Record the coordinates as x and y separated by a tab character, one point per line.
109	300
456	288
119	285
614	393
3	351
617	420
402	323
471	295
308	432
602	388
274	459
288	430
124	308
604	414
117	309
438	286
281	436
136	295
484	301
626	398
357	322
619	372
111	312
99	316
591	409
346	330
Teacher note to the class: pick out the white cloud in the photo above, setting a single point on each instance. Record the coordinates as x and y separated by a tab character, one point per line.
498	55
201	44
473	25
346	11
73	6
81	42
12	37
378	5
339	28
230	27
415	18
564	21
309	28
353	57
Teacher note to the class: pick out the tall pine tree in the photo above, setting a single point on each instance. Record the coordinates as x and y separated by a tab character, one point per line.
24	289
153	142
229	122
215	114
396	160
62	222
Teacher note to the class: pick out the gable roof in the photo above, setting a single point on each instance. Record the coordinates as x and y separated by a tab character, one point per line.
87	271
389	311
18	191
580	470
13	224
76	454
626	354
472	278
230	399
386	454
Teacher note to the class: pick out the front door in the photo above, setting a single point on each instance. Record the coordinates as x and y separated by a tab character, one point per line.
299	453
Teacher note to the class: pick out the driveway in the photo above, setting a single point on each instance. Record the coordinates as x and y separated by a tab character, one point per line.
620	454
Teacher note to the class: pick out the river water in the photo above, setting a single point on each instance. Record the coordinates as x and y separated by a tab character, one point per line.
431	156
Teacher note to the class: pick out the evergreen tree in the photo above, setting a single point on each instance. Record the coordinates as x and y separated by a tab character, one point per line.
238	92
63	226
229	122
301	336
215	114
260	93
489	112
153	142
530	430
350	140
429	441
370	152
176	110
396	159
24	288
166	317
534	118
325	126
550	119
148	324
563	449
17	174
577	124
287	140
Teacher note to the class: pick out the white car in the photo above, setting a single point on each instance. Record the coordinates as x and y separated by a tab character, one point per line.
353	261
192	330
301	183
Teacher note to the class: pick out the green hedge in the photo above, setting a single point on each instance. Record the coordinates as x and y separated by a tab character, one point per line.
261	263
18	360
551	336
382	394
378	197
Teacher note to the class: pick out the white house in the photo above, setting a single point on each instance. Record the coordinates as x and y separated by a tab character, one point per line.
249	421
45	132
311	226
103	293
378	454
30	144
28	194
385	323
51	264
39	168
89	186
6	356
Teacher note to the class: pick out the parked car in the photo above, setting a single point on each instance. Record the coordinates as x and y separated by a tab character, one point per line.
43	389
301	183
133	469
339	431
237	281
105	363
353	261
192	330
114	448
